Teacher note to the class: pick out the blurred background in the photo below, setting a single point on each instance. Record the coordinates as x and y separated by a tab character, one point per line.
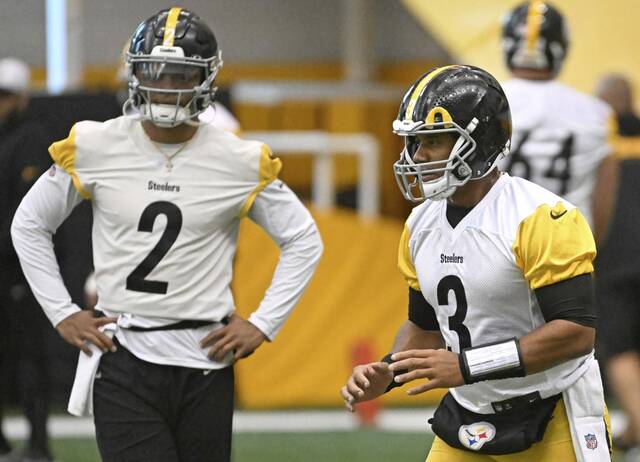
320	82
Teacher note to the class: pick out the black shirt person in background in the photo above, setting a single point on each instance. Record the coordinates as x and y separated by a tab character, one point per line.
23	328
617	220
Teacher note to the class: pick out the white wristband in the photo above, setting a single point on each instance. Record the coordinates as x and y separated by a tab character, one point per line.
492	361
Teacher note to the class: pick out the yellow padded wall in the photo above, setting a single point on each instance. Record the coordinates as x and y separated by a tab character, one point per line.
357	295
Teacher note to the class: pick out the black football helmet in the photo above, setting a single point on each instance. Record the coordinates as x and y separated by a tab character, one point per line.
177	43
465	101
535	36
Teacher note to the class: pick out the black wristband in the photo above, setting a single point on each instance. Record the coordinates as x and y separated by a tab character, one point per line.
506	369
387	359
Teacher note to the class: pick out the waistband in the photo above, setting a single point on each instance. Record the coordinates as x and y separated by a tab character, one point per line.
179	325
522	402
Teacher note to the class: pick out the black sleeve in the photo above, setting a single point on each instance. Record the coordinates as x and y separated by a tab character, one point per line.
421	313
571	300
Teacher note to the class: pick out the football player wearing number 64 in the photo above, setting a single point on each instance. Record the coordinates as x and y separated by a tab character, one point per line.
561	137
168	194
501	307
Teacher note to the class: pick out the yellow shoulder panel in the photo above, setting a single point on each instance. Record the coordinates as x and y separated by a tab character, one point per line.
554	244
626	147
63	153
269	169
405	264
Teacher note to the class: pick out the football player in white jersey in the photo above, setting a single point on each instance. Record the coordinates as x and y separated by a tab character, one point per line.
560	136
168	193
500	292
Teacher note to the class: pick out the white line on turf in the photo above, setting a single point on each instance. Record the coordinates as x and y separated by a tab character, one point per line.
396	420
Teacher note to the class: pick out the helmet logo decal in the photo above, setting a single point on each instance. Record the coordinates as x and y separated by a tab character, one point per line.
444	117
419	89
535	16
170	26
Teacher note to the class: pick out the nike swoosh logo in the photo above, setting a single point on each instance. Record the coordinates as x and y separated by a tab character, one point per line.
555	217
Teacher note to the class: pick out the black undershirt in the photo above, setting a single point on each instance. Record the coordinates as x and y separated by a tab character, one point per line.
455	214
572	300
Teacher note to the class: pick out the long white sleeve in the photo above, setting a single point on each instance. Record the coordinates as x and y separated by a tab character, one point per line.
47	204
281	214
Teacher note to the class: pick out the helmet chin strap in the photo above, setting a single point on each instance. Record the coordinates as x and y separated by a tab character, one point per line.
165	115
138	105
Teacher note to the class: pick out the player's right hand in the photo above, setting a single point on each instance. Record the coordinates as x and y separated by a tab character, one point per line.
82	327
367	381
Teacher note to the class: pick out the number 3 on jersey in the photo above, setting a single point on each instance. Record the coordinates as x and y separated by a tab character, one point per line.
454	283
136	280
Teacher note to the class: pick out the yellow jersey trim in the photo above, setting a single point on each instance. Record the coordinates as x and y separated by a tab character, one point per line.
626	147
607	424
405	263
408	115
534	22
554	244
170	26
63	153
269	169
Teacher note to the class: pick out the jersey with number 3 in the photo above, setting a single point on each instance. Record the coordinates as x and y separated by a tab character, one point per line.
164	232
480	275
560	137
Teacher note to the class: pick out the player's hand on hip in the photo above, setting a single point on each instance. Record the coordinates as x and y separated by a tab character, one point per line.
367	381
82	327
239	336
440	367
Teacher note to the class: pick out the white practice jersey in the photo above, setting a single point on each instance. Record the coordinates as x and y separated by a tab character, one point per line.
164	237
560	137
480	276
165	227
219	116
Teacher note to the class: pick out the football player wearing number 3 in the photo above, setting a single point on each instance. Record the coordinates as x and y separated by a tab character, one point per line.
499	269
168	194
560	135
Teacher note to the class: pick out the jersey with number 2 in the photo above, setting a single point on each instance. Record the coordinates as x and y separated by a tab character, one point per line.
164	231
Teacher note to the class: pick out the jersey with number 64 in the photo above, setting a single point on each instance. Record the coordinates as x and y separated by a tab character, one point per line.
560	137
164	232
480	276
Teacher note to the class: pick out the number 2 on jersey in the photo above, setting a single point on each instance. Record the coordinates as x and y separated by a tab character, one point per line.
454	283
136	280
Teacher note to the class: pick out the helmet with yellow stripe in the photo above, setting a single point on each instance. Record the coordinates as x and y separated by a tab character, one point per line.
465	102
172	62
535	36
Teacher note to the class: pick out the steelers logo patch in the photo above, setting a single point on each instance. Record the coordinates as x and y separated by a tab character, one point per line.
475	436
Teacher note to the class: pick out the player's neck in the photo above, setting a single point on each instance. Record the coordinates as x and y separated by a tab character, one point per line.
532	74
174	135
470	194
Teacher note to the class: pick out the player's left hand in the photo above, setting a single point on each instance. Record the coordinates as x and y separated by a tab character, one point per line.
239	336
440	367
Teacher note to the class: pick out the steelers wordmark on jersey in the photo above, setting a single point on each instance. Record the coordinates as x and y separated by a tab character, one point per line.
480	275
164	238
